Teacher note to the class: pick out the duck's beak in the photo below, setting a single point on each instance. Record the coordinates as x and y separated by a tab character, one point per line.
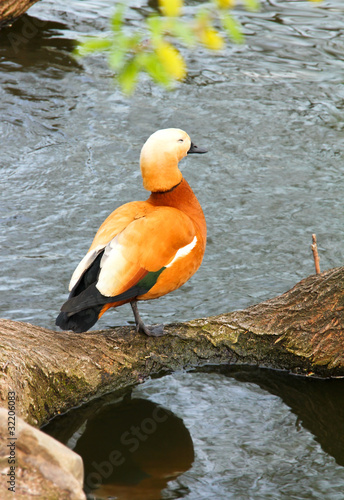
196	149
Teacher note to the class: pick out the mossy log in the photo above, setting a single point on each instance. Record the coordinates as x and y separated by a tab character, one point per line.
301	331
10	10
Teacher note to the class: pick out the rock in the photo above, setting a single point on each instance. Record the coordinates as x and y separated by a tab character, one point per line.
35	465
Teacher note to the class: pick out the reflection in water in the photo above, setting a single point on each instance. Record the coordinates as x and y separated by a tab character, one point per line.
32	42
248	443
131	449
318	404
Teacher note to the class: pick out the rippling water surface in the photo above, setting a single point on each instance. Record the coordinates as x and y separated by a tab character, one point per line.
239	433
248	447
271	114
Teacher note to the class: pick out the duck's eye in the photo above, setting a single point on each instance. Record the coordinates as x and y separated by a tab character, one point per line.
180	140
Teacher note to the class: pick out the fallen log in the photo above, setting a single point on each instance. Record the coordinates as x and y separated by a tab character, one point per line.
10	10
301	331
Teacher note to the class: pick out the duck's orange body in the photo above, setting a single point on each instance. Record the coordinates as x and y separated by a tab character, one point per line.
144	249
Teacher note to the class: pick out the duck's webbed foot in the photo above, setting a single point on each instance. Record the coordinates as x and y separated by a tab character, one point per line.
152	330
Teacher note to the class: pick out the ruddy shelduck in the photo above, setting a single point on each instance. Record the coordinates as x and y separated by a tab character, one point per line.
144	249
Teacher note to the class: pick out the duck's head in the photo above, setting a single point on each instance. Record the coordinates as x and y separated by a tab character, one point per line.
160	156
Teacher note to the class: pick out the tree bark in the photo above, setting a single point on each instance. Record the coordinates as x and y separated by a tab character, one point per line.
301	331
10	10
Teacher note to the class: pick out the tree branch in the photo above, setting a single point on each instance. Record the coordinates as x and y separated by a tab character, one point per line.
10	10
301	331
314	248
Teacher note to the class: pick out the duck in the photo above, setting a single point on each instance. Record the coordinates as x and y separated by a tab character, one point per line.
144	249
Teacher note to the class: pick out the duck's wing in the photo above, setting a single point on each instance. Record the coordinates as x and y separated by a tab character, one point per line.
116	222
131	263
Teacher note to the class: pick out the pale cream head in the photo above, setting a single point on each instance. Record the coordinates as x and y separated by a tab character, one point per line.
160	156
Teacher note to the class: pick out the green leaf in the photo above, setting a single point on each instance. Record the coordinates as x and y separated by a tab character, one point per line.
252	4
127	78
117	18
153	66
182	31
203	16
117	57
156	28
123	46
134	42
92	45
233	28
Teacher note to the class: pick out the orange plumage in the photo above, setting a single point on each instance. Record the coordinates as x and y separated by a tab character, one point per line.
144	249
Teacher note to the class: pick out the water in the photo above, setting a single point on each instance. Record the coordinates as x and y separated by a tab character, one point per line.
271	114
238	433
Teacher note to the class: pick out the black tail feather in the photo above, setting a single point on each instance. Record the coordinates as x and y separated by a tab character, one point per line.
82	320
79	322
81	311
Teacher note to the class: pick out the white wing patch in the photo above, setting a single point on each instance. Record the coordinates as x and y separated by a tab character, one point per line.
182	252
83	265
113	263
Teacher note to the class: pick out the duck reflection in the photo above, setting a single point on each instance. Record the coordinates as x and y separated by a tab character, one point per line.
132	449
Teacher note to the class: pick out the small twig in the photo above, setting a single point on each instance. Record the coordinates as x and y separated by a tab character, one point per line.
315	253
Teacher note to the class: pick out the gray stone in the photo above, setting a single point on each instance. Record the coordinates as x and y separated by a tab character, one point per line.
45	469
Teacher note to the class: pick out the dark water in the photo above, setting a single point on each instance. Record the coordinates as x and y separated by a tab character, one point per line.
222	433
271	114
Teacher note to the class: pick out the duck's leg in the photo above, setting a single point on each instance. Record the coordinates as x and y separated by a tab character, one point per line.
151	331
